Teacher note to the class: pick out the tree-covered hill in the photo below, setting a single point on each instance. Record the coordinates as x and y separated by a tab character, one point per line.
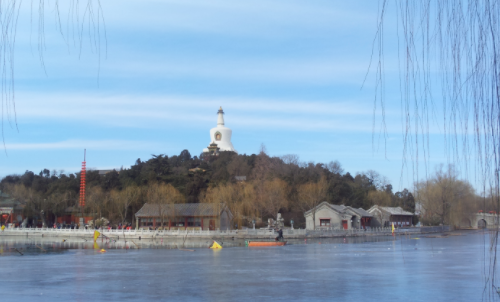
199	179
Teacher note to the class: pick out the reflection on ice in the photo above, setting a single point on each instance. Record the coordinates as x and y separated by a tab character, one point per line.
34	245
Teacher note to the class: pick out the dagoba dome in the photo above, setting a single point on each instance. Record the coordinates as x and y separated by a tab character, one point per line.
220	135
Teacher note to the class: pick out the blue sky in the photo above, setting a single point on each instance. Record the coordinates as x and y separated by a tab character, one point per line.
288	75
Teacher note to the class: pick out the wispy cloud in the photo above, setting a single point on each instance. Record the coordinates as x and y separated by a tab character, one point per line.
304	70
81	144
261	17
88	106
193	111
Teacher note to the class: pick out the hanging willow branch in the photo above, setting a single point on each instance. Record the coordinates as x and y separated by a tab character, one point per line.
83	23
449	59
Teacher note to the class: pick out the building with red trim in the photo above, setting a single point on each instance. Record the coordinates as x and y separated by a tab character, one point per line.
332	216
186	216
385	216
11	210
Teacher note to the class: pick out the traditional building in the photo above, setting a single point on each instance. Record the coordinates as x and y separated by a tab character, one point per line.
11	210
104	172
186	216
73	215
220	136
331	216
385	216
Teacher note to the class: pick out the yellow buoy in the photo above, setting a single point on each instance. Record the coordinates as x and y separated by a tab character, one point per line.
216	245
102	251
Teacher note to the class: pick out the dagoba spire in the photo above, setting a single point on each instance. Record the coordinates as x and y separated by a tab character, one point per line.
220	118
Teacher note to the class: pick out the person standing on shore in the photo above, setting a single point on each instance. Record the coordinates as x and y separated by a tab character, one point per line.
280	235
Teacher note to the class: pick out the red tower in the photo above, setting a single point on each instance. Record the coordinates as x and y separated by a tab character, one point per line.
82	180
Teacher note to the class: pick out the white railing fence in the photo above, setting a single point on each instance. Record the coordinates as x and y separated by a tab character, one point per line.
148	233
211	233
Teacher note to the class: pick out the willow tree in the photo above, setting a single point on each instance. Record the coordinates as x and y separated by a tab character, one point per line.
123	200
238	198
445	198
58	202
449	59
96	201
311	194
30	198
164	197
273	196
79	23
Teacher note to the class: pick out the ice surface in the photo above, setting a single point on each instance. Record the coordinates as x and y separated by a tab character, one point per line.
355	269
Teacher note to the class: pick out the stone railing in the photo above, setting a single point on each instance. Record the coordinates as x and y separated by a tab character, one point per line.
373	231
257	233
148	233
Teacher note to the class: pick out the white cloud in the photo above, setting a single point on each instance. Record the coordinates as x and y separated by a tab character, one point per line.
81	144
191	111
260	17
302	70
90	106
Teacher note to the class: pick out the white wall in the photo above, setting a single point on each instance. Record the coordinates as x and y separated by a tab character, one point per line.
326	212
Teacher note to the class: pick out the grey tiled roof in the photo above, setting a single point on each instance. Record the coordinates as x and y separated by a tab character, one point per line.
104	172
11	203
396	211
341	209
338	208
184	209
361	212
392	210
7	201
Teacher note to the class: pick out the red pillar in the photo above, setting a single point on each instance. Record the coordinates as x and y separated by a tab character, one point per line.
154	222
202	223
185	223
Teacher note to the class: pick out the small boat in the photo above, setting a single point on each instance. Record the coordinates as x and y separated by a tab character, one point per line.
265	243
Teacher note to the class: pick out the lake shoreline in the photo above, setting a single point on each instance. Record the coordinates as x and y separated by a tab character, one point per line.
236	234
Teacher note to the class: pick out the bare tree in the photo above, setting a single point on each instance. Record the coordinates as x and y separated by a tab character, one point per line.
96	200
311	194
59	202
32	200
164	196
122	200
238	167
273	196
238	198
290	159
335	167
380	198
445	198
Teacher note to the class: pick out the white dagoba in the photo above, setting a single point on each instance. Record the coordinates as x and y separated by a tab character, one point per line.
221	135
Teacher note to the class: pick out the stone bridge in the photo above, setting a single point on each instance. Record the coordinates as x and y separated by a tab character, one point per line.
483	220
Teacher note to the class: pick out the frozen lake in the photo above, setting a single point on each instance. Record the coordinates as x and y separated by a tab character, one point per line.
357	269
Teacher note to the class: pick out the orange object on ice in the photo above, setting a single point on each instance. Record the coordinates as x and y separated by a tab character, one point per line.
265	243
